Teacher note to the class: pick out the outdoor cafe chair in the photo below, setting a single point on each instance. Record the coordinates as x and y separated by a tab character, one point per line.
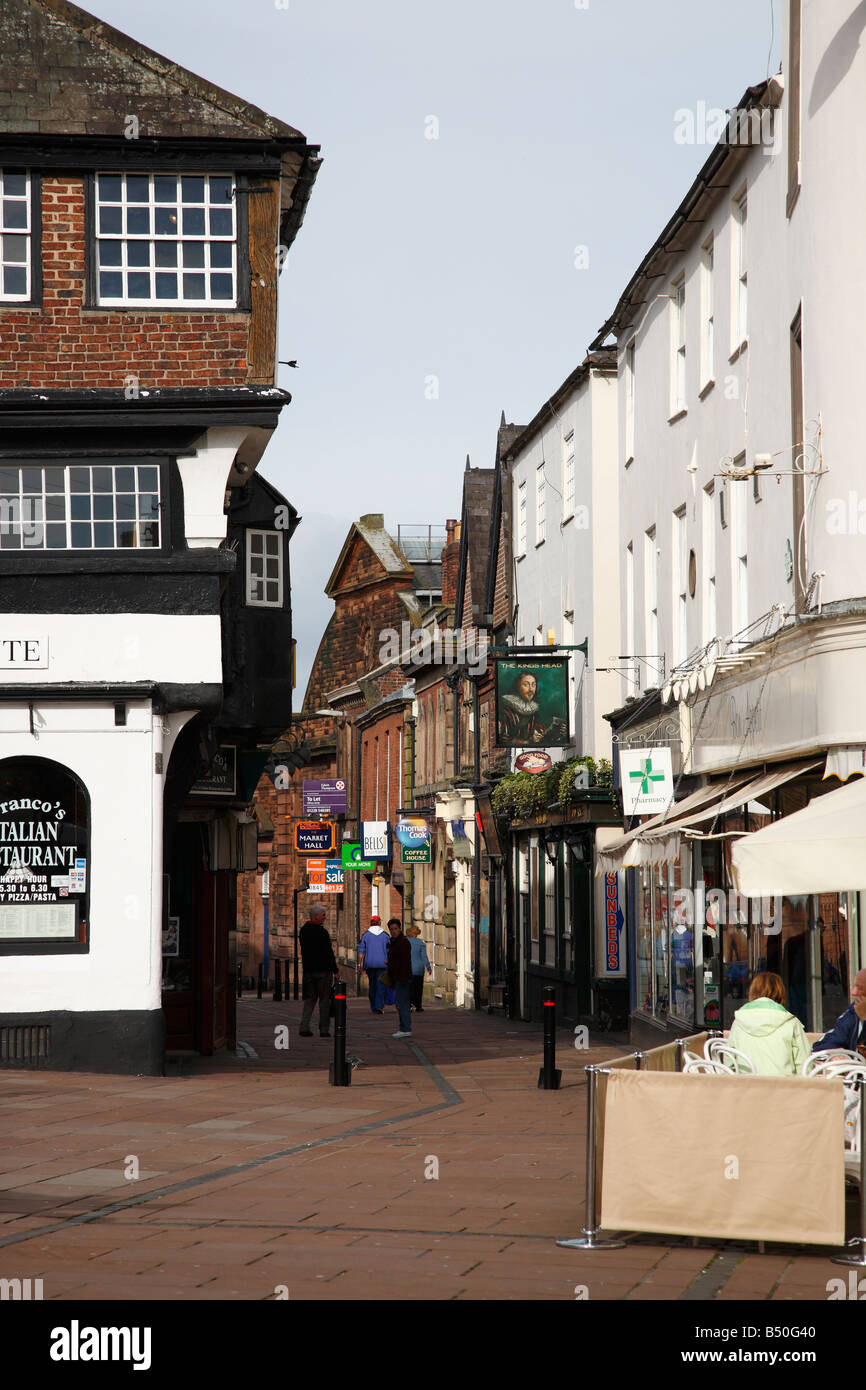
731	1058
819	1061
702	1066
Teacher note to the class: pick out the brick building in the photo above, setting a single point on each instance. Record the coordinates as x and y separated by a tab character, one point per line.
145	586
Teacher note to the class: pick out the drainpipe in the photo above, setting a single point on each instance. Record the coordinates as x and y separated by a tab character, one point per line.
357	876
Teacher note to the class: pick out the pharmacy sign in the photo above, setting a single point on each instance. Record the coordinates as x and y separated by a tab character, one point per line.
647	780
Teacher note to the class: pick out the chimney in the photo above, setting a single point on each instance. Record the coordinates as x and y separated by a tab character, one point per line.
450	558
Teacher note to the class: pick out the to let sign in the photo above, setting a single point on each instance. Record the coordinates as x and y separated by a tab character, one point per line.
314	837
327	797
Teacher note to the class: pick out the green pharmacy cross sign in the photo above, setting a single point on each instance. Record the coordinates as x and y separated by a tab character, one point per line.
645	775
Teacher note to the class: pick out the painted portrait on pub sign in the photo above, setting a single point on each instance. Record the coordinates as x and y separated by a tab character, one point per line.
532	703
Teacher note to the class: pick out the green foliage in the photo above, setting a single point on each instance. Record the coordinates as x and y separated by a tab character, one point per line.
523	795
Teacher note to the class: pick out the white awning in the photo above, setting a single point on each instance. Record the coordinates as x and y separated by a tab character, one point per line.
659	840
845	762
821	849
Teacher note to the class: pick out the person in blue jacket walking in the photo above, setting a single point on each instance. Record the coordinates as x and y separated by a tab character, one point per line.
849	1030
420	963
373	957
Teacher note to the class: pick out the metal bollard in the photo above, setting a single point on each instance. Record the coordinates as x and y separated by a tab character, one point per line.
858	1243
278	981
261	984
339	1073
548	1077
240	980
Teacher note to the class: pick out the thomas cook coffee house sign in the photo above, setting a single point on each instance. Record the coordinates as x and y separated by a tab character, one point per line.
43	853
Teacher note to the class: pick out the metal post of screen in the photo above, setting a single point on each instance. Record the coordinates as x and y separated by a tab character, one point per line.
858	1242
590	1239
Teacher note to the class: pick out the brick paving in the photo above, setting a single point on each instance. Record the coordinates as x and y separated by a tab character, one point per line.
239	1177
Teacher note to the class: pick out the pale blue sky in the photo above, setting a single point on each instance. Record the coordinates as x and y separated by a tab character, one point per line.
452	257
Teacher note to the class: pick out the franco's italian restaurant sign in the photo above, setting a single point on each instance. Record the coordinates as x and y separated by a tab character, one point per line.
43	851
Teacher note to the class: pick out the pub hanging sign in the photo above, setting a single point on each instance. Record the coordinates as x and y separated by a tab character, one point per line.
43	852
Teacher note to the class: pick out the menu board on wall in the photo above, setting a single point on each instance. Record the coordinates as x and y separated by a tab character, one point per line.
37	921
43	852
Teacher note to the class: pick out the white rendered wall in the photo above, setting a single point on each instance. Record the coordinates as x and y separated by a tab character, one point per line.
118	647
575	568
816	258
123	969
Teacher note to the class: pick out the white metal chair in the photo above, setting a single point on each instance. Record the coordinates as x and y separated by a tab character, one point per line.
701	1065
818	1061
731	1058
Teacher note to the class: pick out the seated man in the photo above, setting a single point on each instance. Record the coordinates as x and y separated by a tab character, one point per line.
849	1030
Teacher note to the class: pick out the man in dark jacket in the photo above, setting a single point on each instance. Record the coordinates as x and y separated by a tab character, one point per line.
848	1031
400	970
320	967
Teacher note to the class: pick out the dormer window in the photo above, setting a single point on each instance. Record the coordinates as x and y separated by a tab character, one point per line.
15	237
166	240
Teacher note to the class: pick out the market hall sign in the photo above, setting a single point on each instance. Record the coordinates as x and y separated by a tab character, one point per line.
44	825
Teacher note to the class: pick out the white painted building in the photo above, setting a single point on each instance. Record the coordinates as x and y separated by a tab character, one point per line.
564	486
741	557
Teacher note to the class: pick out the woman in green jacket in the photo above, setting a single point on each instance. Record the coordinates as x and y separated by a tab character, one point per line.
771	1037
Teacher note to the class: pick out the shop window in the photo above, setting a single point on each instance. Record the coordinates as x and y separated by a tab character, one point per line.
682	940
166	240
44	858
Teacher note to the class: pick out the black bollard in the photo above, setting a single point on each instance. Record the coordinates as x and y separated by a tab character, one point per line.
548	1077
278	982
339	1073
261	985
240	980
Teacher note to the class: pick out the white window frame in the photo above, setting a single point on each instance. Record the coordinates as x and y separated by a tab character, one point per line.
740	277
182	241
540	504
9	203
680	586
629	610
710	623
272	549
521	518
739	552
651	595
30	511
708	319
678	346
629	403
568	476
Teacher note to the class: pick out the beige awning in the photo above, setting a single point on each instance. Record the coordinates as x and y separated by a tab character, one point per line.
821	849
659	841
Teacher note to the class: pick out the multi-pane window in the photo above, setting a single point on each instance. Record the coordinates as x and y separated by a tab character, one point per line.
15	236
708	310
264	569
741	282
166	239
82	507
678	364
710	623
568	475
521	518
540	504
681	570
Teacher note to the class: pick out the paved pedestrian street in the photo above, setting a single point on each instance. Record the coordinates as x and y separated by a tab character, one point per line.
441	1173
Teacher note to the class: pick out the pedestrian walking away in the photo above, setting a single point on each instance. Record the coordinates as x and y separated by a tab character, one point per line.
373	957
400	970
420	963
320	968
